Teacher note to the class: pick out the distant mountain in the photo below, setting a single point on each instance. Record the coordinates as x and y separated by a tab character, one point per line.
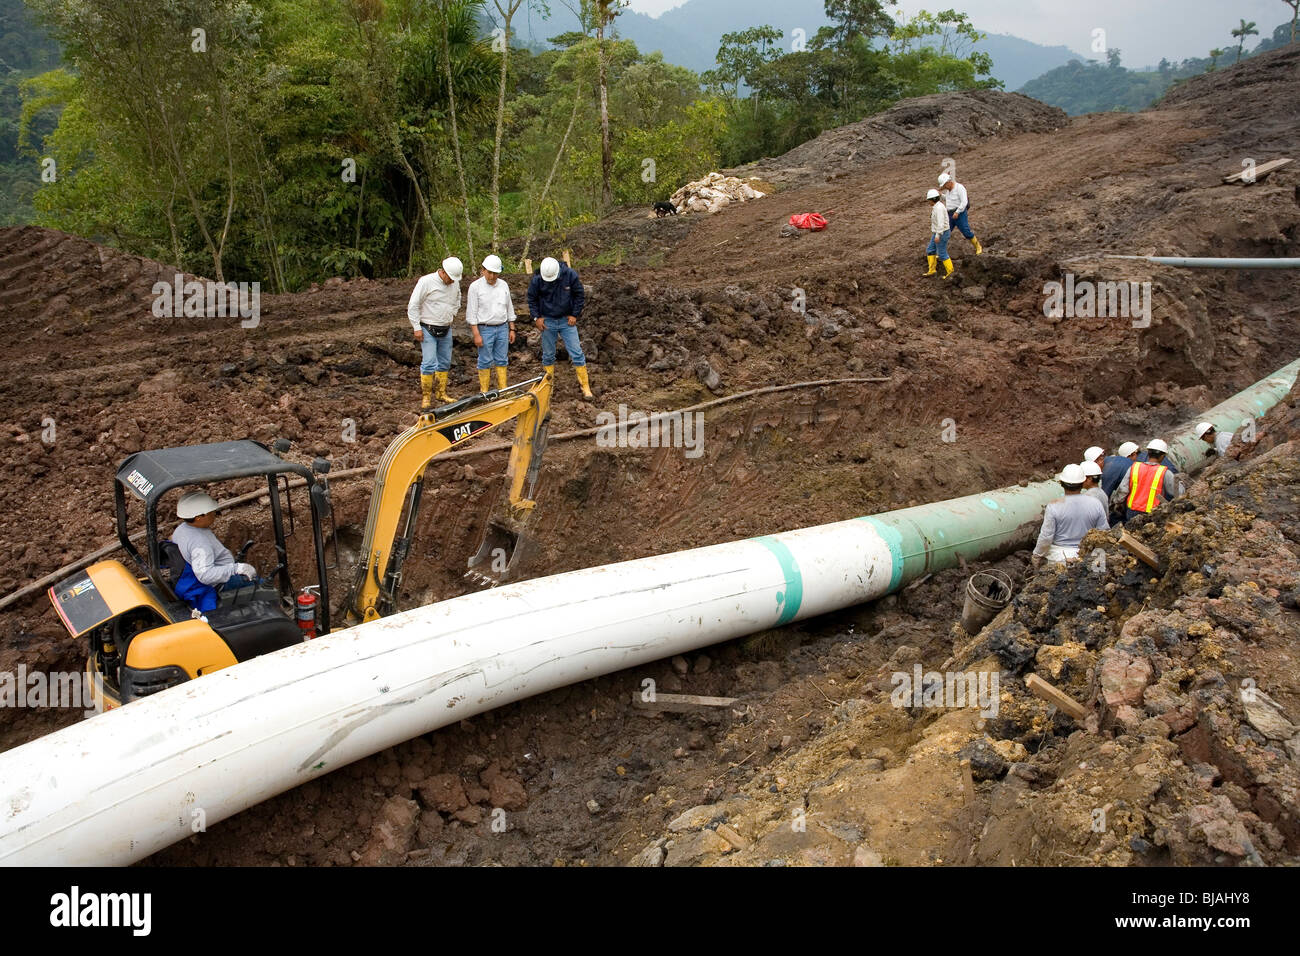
689	35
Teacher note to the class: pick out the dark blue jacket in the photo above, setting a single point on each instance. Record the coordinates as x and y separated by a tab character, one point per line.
1113	470
556	299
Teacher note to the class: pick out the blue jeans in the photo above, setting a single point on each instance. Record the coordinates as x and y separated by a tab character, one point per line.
941	247
961	223
496	345
436	352
560	328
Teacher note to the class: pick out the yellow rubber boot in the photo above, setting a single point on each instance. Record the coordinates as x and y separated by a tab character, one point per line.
501	376
484	379
440	391
581	371
979	250
550	371
932	260
947	268
426	391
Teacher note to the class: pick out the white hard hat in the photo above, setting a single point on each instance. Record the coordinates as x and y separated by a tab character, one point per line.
193	504
1126	449
944	178
1156	444
493	264
451	265
550	268
932	194
1071	475
1091	469
1202	428
1093	453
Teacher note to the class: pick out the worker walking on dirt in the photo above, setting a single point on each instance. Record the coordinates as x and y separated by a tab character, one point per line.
555	300
434	304
958	204
940	230
1147	482
491	317
1115	467
1219	442
209	565
1065	522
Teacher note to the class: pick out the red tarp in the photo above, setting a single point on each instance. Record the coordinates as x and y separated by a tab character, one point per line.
808	220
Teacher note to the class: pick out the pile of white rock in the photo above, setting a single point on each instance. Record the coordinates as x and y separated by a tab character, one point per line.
712	193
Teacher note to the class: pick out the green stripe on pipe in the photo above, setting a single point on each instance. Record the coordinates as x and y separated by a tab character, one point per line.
894	539
792	597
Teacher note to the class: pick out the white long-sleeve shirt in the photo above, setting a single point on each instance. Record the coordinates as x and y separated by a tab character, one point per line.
955	197
938	218
433	302
1221	441
1065	522
209	559
489	304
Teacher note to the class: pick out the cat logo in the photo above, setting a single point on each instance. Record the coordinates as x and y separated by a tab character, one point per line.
458	433
140	483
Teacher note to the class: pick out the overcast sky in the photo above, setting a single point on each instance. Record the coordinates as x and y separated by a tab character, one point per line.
1144	30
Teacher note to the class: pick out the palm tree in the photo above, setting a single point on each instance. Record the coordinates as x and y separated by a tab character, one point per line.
1241	32
1214	57
1295	13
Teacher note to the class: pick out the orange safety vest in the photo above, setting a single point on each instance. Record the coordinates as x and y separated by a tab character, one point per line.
1145	482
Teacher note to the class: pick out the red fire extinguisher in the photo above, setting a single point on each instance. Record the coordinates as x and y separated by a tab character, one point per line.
306	611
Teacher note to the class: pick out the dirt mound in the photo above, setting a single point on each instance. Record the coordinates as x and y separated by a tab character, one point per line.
942	124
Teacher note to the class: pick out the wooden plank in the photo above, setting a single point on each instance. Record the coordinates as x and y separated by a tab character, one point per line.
1056	697
679	703
1139	550
528	266
567	261
1262	170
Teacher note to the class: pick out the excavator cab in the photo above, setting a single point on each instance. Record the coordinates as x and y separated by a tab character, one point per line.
141	638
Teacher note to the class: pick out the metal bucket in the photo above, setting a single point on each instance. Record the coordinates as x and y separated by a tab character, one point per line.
987	593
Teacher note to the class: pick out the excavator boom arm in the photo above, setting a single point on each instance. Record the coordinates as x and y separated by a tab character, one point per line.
400	475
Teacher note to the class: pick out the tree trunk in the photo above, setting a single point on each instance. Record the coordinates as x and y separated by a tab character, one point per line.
455	132
606	152
507	15
532	222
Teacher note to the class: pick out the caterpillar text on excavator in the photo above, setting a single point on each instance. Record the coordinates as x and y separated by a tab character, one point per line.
142	636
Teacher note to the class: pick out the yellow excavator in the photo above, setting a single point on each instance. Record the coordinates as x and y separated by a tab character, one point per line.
141	638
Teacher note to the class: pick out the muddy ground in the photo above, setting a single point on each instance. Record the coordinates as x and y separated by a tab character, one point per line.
707	301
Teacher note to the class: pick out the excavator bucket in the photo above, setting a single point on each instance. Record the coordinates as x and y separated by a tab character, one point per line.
505	545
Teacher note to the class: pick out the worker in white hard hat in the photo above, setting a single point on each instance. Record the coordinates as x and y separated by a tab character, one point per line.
433	306
555	300
940	230
1218	441
1092	482
209	565
1113	469
490	313
1065	522
957	202
1148	482
1095	453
